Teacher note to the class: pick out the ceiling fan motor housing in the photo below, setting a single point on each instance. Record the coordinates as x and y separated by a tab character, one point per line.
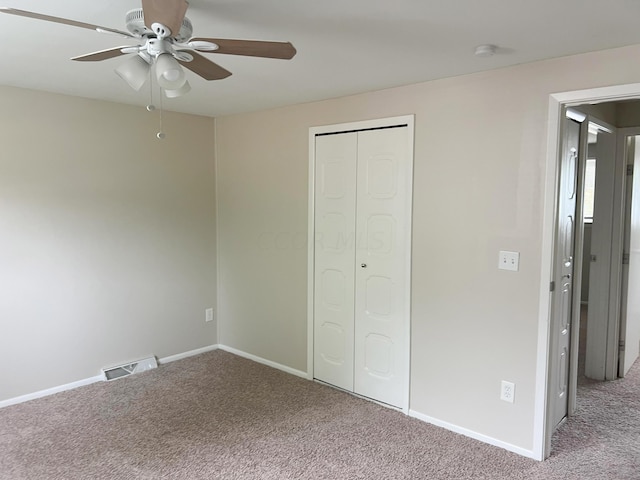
135	24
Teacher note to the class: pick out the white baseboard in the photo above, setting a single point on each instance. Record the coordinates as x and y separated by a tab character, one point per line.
475	435
97	378
172	358
51	391
190	353
269	363
420	416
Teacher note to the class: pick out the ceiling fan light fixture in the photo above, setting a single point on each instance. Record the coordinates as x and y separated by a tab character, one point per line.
134	71
163	33
169	73
183	90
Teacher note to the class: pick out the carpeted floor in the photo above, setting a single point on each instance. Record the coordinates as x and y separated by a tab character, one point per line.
219	416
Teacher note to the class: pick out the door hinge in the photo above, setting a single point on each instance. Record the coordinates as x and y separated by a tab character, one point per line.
630	170
621	346
593	258
552	286
625	258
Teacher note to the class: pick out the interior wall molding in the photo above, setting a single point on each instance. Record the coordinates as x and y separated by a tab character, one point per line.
471	434
264	361
98	378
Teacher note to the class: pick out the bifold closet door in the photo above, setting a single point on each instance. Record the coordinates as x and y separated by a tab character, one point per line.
334	289
383	228
362	238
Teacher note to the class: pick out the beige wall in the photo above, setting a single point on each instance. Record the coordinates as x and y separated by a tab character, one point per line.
628	114
107	237
480	149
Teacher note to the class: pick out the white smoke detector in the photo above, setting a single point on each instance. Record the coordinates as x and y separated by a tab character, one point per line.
485	50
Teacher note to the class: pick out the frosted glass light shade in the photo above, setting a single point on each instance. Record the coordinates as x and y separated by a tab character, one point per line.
169	73
134	71
185	88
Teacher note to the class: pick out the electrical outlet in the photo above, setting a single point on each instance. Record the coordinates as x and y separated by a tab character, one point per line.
509	261
209	315
507	391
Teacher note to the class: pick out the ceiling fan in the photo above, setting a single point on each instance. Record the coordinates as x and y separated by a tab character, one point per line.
164	35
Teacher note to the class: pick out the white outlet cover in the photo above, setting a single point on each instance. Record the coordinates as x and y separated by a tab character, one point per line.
509	260
209	315
507	391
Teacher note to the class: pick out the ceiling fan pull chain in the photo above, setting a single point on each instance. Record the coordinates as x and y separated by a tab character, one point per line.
151	107
160	134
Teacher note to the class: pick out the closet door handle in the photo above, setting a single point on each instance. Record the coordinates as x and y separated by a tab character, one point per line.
363	265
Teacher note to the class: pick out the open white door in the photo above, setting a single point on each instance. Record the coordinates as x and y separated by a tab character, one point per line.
602	320
563	272
630	303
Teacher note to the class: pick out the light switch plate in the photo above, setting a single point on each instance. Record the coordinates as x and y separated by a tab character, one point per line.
509	261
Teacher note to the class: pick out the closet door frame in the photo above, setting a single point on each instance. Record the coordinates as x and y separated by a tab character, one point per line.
409	121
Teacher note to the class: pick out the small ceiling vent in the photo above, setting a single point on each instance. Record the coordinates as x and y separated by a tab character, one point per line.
125	370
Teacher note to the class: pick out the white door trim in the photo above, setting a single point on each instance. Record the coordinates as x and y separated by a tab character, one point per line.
542	429
620	231
409	121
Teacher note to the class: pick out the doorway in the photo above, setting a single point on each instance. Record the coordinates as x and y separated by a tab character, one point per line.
608	274
359	257
629	332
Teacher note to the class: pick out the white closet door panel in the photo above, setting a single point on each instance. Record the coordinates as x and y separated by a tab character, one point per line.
383	231
335	240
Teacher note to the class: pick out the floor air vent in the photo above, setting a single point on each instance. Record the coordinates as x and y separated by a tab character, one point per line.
120	371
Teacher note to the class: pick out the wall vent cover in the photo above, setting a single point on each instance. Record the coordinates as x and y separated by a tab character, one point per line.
119	371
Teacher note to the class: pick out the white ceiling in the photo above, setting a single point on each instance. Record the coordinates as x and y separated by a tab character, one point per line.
344	46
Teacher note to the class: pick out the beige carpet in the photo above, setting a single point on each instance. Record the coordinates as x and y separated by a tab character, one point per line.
218	416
